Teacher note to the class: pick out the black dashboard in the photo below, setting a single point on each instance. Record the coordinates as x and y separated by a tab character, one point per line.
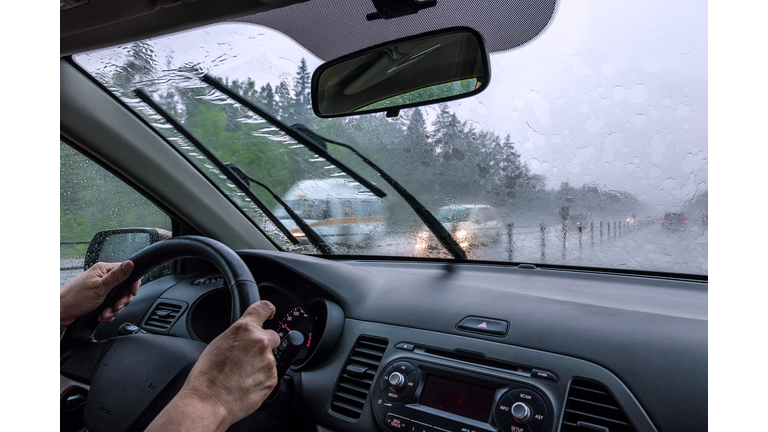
433	346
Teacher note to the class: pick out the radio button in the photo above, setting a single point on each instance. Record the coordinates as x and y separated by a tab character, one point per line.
539	417
397	423
525	396
415	426
521	412
404	368
396	380
536	373
384	380
504	409
513	426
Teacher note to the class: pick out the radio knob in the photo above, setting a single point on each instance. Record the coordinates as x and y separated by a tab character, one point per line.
521	412
396	380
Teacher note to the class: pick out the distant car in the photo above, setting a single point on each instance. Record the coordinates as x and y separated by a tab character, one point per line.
674	221
579	219
471	225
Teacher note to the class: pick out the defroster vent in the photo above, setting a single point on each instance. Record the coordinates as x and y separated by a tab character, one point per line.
590	407
357	376
163	316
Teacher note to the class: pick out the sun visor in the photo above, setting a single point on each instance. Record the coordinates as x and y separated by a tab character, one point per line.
344	29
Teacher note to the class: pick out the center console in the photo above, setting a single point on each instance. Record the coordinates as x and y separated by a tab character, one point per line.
415	395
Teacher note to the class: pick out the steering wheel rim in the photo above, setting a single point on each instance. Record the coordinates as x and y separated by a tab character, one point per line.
77	339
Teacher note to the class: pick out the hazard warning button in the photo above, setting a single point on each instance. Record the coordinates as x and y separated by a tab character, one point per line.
484	325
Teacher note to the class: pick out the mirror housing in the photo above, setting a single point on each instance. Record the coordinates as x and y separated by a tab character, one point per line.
117	245
418	70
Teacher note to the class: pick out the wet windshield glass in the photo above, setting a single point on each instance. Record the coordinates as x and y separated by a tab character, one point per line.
585	139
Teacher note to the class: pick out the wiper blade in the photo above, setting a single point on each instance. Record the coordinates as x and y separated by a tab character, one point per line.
446	240
293	133
231	176
312	236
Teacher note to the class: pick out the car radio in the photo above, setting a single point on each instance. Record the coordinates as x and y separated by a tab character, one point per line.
416	396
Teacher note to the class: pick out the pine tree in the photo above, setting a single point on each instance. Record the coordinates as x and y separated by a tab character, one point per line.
301	88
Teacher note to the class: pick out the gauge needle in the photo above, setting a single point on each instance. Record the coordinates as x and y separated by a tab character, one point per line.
284	326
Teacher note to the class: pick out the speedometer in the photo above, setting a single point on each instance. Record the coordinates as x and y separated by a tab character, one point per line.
296	319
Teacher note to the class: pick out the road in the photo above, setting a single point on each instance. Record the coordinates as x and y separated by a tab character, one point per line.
642	247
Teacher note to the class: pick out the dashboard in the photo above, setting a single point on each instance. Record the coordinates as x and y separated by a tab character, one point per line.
436	346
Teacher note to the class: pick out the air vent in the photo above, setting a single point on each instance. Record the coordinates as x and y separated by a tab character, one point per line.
591	408
357	376
164	314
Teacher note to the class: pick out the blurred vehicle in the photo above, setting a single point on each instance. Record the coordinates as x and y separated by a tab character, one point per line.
578	219
340	211
632	220
471	225
674	221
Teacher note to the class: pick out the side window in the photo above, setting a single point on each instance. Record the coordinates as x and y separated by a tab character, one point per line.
91	200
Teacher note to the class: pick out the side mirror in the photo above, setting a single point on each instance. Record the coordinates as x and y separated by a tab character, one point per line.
418	70
118	245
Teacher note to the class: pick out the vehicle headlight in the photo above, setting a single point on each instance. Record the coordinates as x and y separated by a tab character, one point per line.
461	233
424	235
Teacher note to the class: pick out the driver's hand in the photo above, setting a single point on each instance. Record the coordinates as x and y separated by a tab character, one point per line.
236	372
85	292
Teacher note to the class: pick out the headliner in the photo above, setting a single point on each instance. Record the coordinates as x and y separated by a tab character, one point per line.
102	23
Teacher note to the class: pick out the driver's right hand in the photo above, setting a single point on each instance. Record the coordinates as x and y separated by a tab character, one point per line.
234	374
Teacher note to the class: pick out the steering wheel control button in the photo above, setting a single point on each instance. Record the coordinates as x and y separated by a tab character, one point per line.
419	427
521	412
405	346
396	423
536	373
396	380
484	325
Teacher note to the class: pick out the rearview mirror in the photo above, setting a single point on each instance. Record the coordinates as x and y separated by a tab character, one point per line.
417	70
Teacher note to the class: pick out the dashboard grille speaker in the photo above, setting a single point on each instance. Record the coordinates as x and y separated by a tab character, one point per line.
163	316
357	376
591	407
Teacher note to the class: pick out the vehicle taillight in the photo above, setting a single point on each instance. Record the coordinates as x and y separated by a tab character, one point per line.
685	221
663	221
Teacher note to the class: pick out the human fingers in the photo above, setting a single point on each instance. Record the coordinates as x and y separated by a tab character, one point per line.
116	275
259	312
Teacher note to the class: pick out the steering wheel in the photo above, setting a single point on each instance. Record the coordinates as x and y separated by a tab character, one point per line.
133	377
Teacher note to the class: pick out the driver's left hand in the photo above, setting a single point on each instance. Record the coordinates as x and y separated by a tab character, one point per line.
85	292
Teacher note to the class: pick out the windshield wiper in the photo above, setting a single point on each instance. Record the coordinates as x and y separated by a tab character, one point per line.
310	139
448	242
312	236
321	150
231	176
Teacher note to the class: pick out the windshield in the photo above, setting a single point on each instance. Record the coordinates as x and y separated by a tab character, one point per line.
586	138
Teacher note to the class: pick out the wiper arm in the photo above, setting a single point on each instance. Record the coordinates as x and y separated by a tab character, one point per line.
320	149
448	242
231	176
312	236
308	138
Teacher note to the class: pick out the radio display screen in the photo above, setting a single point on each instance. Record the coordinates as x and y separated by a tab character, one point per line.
457	397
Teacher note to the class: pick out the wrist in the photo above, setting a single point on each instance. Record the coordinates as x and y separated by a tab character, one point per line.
187	411
65	317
